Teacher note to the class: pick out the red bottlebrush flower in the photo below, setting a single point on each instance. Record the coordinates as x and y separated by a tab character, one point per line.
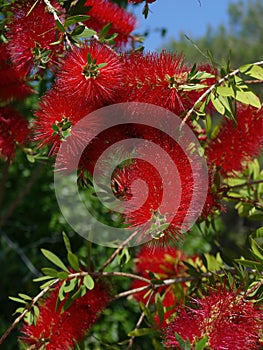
32	30
168	198
159	79
103	12
224	317
12	83
166	262
92	73
13	130
61	330
237	142
56	114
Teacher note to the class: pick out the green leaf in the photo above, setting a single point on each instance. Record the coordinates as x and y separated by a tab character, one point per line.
217	104
24	296
184	345
73	261
66	242
201	344
43	286
49	272
54	259
248	263
225	91
88	282
85	33
252	70
75	19
147	312
70	285
104	30
141	332
42	278
60	26
31	158
17	300
249	98
159	307
62	275
78	30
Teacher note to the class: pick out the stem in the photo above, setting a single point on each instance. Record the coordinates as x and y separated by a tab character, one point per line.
116	252
248	183
21	316
140	321
245	200
132	291
52	10
208	91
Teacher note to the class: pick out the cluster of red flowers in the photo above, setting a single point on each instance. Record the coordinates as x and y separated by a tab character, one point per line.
224	317
166	263
61	330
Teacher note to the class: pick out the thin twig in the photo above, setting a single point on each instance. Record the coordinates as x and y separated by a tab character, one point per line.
21	253
21	316
227	188
52	10
245	200
132	291
116	252
140	321
208	91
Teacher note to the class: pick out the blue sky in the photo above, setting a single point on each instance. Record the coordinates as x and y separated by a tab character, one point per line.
186	16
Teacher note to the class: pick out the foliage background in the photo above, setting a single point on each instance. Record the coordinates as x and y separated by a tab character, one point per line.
30	218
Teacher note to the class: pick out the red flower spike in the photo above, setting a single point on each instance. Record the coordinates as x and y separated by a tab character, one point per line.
92	74
158	79
237	142
12	83
103	12
61	330
167	263
224	317
13	130
151	212
32	30
55	116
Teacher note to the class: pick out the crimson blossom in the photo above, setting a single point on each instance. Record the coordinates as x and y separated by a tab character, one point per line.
32	34
225	318
13	130
161	79
92	73
166	262
12	82
61	330
237	141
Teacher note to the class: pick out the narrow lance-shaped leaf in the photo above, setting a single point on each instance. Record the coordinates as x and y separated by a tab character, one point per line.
54	259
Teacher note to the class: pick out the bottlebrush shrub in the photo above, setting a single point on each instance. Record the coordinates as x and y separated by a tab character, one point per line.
224	317
13	131
56	329
31	36
74	74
